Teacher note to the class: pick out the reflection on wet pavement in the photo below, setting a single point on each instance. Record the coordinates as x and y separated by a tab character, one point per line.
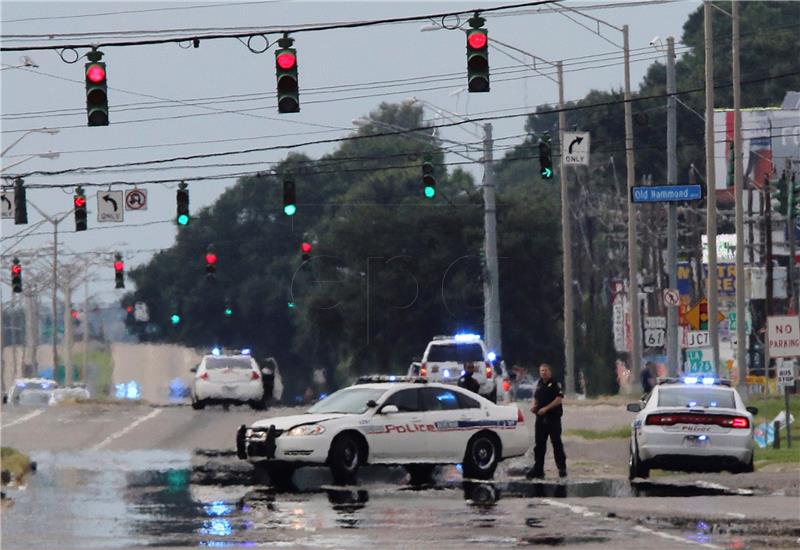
116	500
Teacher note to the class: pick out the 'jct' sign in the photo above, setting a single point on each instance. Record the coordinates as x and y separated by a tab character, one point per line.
784	336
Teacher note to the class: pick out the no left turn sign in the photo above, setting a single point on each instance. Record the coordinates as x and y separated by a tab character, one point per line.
136	199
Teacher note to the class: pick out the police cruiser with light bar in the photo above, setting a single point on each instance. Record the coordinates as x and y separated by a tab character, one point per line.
227	377
697	424
388	420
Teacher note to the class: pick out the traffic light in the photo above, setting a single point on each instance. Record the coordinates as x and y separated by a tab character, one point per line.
182	198
477	56
16	276
96	90
289	197
211	263
20	204
228	311
703	305
79	204
286	75
119	271
305	248
428	181
175	318
545	157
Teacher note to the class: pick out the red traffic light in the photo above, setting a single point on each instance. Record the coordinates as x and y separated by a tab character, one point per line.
129	309
74	313
119	265
286	60
211	258
95	74
305	248
477	40
80	201
16	269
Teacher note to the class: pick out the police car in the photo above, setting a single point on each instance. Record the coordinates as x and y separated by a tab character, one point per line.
388	420
697	424
227	378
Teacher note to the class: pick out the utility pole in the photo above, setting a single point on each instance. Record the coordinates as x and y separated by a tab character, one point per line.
633	247
768	260
84	373
566	253
791	222
67	342
738	190
711	196
672	209
491	282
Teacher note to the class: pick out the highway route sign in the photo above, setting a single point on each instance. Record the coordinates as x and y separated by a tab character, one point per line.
109	206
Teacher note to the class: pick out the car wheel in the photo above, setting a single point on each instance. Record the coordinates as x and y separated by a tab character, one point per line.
257	405
482	456
745	467
344	458
275	474
635	466
421	474
198	404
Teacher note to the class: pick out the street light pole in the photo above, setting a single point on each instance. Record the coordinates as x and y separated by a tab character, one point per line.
491	283
50	131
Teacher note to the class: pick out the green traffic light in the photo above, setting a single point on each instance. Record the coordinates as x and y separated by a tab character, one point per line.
183	219
175	318
290	305
430	192
547	173
228	311
290	209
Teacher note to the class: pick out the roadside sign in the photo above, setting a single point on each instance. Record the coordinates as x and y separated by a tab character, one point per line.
575	148
786	374
655	329
109	206
671	297
666	193
783	333
140	312
136	199
693	317
698	361
7	198
697	339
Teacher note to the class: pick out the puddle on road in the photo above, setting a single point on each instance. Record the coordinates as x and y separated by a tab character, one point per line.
114	500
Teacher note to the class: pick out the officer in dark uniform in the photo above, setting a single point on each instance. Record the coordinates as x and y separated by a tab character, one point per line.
547	407
467	381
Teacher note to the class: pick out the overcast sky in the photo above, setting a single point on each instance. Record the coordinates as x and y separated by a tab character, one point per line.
334	68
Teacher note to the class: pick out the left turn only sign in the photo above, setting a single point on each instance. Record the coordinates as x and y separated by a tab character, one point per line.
110	207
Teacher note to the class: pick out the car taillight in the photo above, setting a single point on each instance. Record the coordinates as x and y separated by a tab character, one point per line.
739	422
254	375
423	370
204	376
488	370
683	418
506	385
520	416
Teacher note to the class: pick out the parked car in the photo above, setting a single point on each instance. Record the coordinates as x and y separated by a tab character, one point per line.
31	392
692	424
388	420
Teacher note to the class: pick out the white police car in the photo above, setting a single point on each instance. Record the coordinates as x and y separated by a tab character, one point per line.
227	378
694	424
388	420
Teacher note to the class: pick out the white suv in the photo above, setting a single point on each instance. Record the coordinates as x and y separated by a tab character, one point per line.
445	359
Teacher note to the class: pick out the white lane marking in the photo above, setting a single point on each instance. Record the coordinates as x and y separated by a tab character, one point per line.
736	515
23	418
682	540
574	508
128	428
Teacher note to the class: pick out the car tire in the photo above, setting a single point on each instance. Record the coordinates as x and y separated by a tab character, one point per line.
198	404
482	456
275	474
635	466
257	405
745	467
345	457
421	474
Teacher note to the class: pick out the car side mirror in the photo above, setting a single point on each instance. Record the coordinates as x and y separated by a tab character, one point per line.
193	369
390	409
634	407
752	410
371	404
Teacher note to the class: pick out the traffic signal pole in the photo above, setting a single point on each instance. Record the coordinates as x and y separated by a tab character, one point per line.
491	283
566	253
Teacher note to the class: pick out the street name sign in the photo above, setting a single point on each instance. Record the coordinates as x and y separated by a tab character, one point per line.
666	193
109	206
575	149
783	332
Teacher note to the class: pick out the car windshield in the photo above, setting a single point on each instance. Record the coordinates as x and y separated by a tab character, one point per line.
458	353
348	401
228	363
696	397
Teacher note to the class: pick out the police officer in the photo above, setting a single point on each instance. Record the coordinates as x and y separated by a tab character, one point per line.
467	381
547	407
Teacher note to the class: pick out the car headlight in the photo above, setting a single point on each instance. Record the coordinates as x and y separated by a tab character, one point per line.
308	429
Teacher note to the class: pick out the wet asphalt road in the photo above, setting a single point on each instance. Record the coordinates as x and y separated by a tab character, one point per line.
120	476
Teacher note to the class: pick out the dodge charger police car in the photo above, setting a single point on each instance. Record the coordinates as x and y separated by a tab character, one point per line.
388	420
692	424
